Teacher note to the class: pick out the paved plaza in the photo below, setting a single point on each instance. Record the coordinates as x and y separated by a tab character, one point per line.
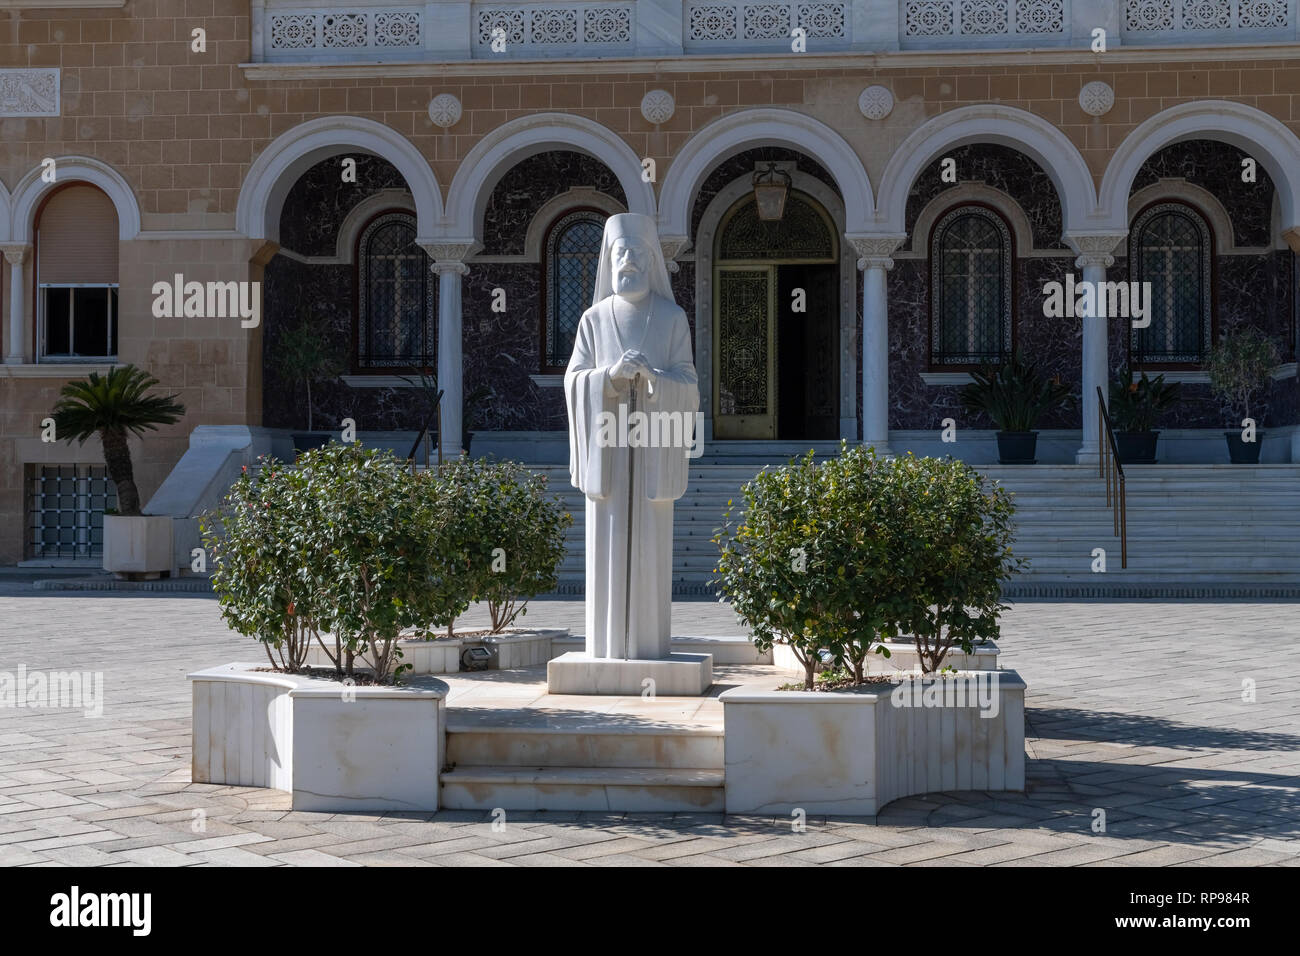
1141	751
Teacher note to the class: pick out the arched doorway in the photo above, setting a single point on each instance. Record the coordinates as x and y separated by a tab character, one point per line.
775	360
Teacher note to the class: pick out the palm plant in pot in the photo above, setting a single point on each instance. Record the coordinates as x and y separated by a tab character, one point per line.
303	355
1015	395
1240	367
111	406
1135	407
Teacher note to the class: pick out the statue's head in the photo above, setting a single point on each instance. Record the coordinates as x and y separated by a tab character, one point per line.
631	257
631	263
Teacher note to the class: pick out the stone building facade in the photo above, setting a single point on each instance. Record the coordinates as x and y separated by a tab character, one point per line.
419	183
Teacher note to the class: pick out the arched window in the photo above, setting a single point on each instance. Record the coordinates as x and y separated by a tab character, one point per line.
970	288
76	276
572	252
1170	247
395	318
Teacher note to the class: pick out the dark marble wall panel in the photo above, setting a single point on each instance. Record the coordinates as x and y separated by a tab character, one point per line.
742	164
324	293
502	349
1003	169
532	183
319	201
1054	344
1216	167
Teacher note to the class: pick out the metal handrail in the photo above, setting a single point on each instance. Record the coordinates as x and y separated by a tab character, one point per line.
1108	450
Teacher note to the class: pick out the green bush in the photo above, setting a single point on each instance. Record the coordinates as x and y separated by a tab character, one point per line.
502	537
1240	366
347	542
1015	394
842	554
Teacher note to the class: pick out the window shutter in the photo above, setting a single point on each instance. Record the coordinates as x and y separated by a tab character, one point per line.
76	238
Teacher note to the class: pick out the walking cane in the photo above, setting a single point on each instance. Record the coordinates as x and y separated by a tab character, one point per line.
631	523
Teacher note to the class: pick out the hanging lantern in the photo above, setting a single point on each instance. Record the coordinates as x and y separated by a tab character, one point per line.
771	186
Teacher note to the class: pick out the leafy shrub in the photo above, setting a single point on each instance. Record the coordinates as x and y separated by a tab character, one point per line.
347	541
500	534
1137	406
949	532
845	553
1015	395
1240	366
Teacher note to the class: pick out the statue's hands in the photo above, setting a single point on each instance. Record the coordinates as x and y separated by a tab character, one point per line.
631	364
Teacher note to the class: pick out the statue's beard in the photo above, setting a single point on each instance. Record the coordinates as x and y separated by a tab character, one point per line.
631	284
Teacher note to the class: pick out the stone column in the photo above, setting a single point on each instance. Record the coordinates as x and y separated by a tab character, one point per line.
451	363
874	263
15	253
1094	258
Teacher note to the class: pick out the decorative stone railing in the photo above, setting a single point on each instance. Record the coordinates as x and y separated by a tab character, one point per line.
1042	19
1205	20
717	24
440	31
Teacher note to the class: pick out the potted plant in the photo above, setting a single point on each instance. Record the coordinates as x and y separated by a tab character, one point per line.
501	532
303	355
1134	409
833	557
1240	366
111	406
428	397
1015	395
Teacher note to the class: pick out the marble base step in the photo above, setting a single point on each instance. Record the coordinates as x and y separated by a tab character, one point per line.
471	744
620	789
678	675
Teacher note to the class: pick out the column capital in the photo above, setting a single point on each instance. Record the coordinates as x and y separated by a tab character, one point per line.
1292	238
449	255
1095	248
874	249
672	247
15	252
442	267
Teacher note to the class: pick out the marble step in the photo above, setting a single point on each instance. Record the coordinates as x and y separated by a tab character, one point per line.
508	745
618	789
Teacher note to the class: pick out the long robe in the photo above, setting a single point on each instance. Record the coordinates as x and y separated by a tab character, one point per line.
601	472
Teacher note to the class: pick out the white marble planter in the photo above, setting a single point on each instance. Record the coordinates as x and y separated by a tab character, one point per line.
138	545
902	658
335	747
509	650
853	752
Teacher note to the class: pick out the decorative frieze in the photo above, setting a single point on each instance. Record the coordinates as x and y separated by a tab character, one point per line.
29	92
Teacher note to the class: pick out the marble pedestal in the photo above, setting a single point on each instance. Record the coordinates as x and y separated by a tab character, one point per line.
677	675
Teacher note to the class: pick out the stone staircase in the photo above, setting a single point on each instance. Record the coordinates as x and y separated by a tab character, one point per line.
1193	530
598	765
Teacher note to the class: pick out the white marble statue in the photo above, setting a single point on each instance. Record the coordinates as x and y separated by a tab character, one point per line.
632	355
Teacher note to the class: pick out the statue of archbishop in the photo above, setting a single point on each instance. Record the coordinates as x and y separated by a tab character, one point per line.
632	363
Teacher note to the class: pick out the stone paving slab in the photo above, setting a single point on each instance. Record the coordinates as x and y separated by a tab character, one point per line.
1135	709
